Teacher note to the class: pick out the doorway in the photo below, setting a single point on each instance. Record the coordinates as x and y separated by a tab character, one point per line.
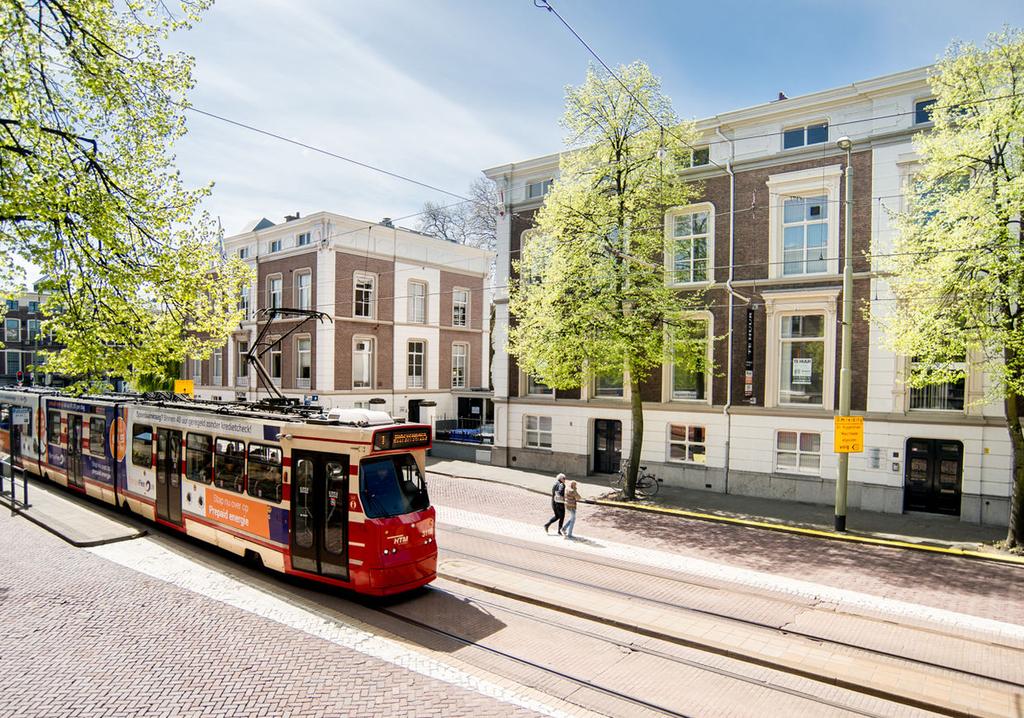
75	451
168	475
319	540
607	445
933	474
414	411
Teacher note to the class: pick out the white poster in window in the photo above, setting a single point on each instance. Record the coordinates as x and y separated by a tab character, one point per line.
802	367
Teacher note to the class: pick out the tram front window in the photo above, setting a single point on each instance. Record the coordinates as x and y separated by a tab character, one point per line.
392	486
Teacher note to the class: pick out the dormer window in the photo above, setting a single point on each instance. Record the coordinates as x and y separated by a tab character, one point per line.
807	135
538	189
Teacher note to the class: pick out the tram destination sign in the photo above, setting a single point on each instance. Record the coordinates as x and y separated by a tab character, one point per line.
411	438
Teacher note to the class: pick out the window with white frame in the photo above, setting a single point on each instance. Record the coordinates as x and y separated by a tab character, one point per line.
243	301
417	355
805	235
690	240
815	134
275	246
275	362
12	330
798	452
243	253
460	308
242	370
538	431
687	443
33	306
362	363
460	364
538	189
923	111
802	359
418	302
690	347
304	290
363	299
303	239
32	327
197	371
947	396
609	384
535	387
304	354
274	286
699	156
218	366
13	362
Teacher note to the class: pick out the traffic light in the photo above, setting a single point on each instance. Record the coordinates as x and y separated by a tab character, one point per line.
21	375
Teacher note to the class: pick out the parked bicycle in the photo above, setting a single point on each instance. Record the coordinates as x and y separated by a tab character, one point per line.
647	483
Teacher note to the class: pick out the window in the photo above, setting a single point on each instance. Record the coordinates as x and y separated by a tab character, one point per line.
948	396
689	382
199	458
243	365
275	361
33	306
538	432
274	285
243	253
608	384
218	366
699	157
142	443
275	246
362	363
303	347
13	362
265	472
12	330
802	359
923	111
690	237
197	371
687	444
460	356
12	304
460	308
364	290
538	189
391	486
417	302
536	387
805	235
229	465
798	452
417	356
808	135
303	239
304	290
33	329
97	435
243	302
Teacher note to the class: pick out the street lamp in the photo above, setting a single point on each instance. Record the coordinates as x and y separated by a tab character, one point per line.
844	143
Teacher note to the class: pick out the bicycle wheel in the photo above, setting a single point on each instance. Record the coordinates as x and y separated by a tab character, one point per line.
645	487
653	484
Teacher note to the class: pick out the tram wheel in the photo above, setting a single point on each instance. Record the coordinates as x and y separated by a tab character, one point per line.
253	558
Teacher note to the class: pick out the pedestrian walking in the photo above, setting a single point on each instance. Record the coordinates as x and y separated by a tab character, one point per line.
557	503
571	497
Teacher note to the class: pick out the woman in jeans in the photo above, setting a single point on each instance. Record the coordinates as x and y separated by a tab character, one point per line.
571	497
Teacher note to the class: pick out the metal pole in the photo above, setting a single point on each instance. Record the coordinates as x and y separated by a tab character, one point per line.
844	371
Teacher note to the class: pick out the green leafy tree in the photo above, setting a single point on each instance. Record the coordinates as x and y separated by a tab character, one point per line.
958	273
90	107
591	299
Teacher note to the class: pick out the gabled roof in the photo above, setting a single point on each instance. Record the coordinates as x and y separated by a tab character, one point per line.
255	224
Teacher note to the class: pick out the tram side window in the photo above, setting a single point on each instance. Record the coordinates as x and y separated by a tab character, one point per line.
142	445
199	458
265	472
97	434
229	465
53	427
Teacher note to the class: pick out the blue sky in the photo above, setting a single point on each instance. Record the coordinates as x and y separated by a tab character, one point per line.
439	89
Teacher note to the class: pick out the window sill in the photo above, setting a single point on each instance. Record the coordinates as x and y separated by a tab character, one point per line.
704	283
795	474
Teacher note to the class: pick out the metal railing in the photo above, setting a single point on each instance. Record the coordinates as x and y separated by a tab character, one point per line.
464	429
7	474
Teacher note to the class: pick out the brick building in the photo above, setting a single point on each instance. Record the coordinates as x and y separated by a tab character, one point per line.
408	317
23	341
765	240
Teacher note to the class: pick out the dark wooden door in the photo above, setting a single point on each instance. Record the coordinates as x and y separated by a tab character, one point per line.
607	445
933	475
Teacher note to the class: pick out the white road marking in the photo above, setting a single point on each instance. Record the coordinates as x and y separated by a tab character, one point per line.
731	574
148	557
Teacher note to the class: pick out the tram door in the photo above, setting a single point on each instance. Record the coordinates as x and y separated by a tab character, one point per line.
75	451
319	540
168	475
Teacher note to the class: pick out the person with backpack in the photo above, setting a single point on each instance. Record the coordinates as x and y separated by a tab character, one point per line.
557	503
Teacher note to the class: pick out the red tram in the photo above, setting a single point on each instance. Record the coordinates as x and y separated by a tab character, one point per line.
339	498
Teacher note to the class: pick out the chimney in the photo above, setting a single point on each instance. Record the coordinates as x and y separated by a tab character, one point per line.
386	222
291	217
782	95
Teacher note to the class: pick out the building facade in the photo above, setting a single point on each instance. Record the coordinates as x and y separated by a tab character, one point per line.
407	318
23	341
764	240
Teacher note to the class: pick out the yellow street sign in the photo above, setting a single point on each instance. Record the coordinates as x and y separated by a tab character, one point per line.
849	434
184	386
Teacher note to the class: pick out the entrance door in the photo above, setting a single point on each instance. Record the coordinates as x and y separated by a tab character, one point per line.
168	475
75	451
319	540
607	445
934	468
414	411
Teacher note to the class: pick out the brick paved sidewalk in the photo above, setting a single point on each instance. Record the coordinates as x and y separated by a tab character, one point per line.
85	637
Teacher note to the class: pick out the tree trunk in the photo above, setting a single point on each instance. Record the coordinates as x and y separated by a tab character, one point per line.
1015	532
636	439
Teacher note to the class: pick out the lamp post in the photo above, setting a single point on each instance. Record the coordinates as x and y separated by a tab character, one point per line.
845	144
